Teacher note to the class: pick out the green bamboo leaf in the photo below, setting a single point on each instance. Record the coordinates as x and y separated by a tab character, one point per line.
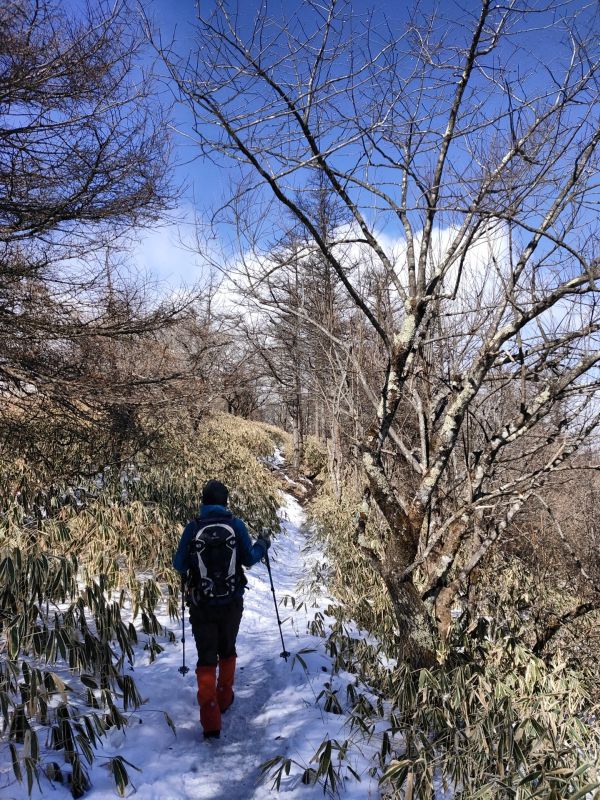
268	765
170	723
584	791
120	775
32	773
15	762
14	642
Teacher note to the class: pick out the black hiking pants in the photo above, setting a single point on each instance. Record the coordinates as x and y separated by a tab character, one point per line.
215	630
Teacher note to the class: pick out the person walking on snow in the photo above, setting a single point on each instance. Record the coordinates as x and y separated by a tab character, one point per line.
212	550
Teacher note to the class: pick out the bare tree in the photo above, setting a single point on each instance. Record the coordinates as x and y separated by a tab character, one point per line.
83	159
466	160
82	137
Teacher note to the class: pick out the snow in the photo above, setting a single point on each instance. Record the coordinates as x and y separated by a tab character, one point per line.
275	710
277	459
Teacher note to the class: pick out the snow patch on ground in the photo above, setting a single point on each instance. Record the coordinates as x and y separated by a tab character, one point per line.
275	710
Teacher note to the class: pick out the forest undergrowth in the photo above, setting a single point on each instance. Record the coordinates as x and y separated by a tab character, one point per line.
84	566
490	720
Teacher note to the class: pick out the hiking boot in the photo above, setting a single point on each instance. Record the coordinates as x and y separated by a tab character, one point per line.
210	714
225	693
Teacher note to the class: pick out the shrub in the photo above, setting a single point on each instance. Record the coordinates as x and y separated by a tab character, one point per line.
72	557
493	721
315	457
332	523
490	720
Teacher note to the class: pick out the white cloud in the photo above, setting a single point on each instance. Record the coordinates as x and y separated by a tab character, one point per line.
481	277
168	252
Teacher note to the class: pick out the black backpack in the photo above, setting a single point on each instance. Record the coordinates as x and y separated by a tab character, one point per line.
216	574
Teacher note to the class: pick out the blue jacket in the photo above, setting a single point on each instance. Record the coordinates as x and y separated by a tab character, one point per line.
249	553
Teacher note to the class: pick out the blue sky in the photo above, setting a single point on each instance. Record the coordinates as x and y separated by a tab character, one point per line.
203	183
175	20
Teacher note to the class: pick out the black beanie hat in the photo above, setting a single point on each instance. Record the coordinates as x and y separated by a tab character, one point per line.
214	493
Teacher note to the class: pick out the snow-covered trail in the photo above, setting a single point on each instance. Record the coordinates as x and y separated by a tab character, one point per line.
274	713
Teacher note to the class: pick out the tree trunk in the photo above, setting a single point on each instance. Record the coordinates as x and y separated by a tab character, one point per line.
334	453
416	635
443	610
297	431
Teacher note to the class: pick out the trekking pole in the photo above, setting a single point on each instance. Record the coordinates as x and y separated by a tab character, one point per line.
183	670
284	653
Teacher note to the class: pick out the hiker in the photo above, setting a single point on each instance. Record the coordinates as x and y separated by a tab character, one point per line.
211	552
